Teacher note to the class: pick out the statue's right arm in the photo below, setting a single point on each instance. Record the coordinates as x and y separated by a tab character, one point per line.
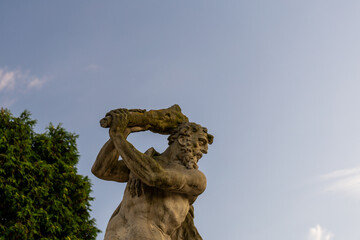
108	167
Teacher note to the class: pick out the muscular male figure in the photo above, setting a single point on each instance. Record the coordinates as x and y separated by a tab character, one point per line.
161	188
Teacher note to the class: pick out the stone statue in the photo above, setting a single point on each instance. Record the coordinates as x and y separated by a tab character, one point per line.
161	188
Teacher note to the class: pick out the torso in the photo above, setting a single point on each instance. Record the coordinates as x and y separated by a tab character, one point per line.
147	213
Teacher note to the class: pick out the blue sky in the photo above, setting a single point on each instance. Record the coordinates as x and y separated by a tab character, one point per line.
276	82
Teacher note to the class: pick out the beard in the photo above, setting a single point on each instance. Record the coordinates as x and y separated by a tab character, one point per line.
189	157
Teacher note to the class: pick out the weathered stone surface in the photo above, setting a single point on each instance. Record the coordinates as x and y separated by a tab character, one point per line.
161	188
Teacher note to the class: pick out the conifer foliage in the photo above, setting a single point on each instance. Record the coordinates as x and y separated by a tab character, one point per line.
41	194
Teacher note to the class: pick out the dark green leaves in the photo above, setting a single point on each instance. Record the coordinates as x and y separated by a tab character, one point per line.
41	194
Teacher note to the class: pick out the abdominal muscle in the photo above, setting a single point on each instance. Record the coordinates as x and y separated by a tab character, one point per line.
154	215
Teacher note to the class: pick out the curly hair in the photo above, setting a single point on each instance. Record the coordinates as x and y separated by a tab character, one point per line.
185	129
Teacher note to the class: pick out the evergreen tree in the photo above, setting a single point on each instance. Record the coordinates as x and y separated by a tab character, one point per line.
41	194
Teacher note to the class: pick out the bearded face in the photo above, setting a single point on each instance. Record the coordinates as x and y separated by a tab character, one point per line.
189	157
192	148
191	141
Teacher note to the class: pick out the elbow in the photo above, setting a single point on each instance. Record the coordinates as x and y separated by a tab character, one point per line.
96	172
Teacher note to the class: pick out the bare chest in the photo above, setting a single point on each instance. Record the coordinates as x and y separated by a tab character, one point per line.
165	210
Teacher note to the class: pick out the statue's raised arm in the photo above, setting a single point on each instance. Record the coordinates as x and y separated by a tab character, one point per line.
161	188
161	121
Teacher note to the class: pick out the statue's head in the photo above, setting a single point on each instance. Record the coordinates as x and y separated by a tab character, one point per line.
192	140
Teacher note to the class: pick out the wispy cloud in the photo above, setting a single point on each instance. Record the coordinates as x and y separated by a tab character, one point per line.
320	233
341	173
14	83
345	181
36	83
7	79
